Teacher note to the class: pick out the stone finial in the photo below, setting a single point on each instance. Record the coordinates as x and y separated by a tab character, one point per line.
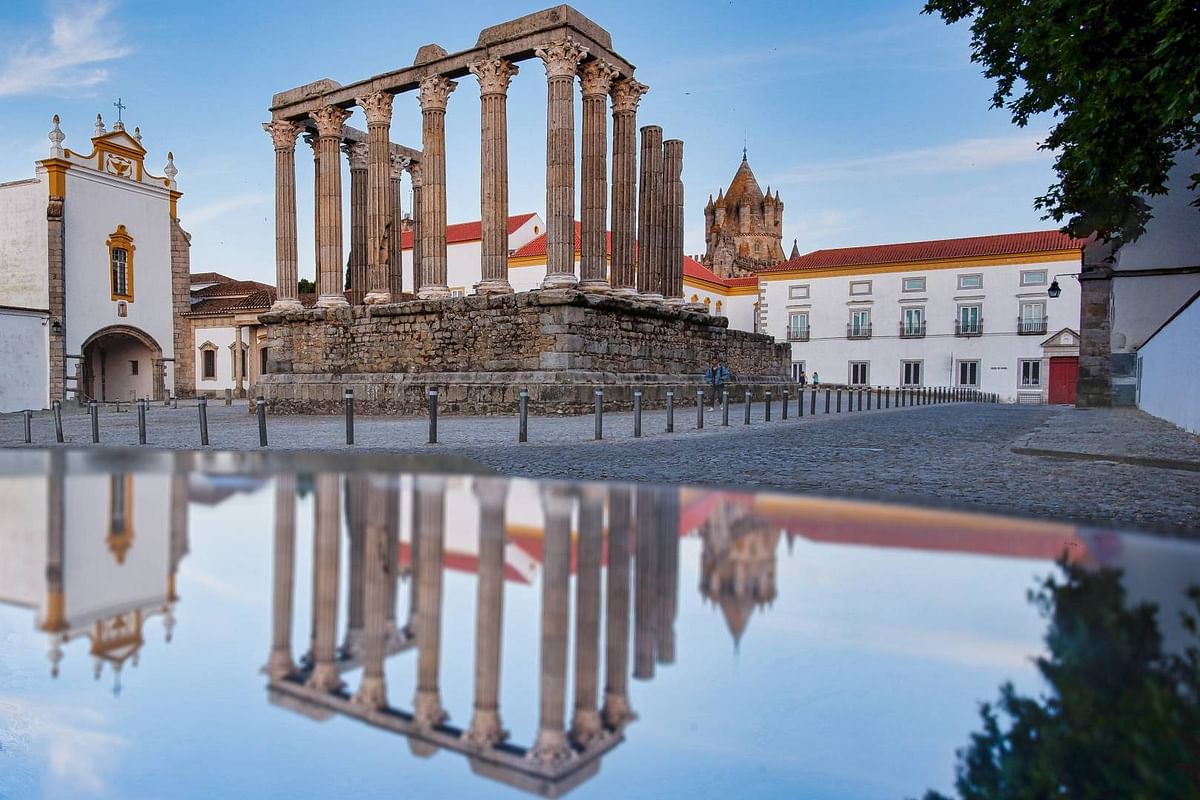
99	130
329	120
561	57
169	170
137	134
626	94
118	126
357	153
377	107
56	137
283	133
596	77
435	92
494	75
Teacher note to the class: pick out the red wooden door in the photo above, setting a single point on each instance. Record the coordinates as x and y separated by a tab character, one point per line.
1064	371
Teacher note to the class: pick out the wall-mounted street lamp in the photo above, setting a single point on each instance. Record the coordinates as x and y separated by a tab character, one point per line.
1055	290
56	327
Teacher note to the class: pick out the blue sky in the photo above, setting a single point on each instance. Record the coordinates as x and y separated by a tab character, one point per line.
868	117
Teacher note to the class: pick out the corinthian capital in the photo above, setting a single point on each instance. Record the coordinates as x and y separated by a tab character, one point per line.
596	77
329	120
414	172
435	92
377	107
357	153
626	95
398	164
494	75
561	58
283	133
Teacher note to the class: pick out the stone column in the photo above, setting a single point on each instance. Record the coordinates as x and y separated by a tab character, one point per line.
626	95
551	744
596	79
377	572
314	142
356	531
280	663
283	134
326	545
494	76
673	221
650	215
431	517
585	725
395	234
238	389
416	174
380	195
561	59
356	267
645	620
329	122
486	729
617	711
435	92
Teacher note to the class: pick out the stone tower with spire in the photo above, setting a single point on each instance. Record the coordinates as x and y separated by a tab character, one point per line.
743	227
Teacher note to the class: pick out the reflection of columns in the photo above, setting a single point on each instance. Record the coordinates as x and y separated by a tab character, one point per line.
378	110
377	572
329	122
325	584
561	59
616	657
668	572
283	134
393	553
650	214
416	173
486	729
494	76
673	221
280	664
646	600
356	531
551	744
431	518
395	235
626	95
585	726
435	92
356	268
596	79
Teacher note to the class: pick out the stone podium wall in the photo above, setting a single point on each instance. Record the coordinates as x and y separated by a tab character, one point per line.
480	351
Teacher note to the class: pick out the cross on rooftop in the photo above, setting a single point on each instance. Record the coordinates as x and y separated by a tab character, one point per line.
120	107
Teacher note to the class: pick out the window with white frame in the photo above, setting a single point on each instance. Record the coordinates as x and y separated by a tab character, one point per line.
914	321
859	373
970	318
1033	277
972	281
208	362
968	373
797	369
798	325
860	322
910	373
1031	373
914	284
860	287
798	292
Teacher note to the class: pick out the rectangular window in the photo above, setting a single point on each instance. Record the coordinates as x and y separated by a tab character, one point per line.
914	284
859	373
968	373
120	271
799	292
798	326
914	322
1033	318
458	291
1033	277
209	363
262	361
133	368
970	320
1031	373
860	324
974	281
860	287
244	373
911	373
797	369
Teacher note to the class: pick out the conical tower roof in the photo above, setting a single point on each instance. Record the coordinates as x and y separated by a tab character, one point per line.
744	186
795	250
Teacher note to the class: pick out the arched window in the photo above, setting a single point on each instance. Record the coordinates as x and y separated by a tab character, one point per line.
120	264
718	306
708	302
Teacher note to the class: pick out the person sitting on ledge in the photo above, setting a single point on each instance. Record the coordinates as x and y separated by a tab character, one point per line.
716	376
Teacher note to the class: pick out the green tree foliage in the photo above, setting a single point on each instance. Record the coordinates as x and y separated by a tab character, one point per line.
1122	80
305	286
1121	720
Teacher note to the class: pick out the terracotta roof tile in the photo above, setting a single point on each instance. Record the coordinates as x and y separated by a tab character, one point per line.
210	277
537	246
231	288
461	232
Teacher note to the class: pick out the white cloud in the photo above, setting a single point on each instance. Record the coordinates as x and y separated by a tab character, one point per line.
82	37
207	213
78	751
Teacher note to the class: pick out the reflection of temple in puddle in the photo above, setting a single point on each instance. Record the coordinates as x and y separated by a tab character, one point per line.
95	555
582	531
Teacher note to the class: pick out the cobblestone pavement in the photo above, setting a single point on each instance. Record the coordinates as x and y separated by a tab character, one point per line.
948	455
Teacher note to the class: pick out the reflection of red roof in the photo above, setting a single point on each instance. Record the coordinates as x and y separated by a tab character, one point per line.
461	232
1005	244
537	246
460	562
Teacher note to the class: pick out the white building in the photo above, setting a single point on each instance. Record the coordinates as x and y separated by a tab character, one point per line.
94	268
229	347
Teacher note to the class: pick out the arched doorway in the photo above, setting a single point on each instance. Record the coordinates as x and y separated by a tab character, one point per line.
121	362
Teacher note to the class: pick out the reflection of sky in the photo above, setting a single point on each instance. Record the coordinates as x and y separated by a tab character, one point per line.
860	681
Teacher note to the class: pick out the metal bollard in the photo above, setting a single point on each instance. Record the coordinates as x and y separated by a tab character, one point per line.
747	420
860	399
670	411
348	401
800	403
94	413
599	414
229	397
141	411
433	398
28	426
767	397
202	405
868	399
888	397
878	398
725	408
56	412
783	412
839	400
827	394
523	411
637	413
260	404
699	409
812	407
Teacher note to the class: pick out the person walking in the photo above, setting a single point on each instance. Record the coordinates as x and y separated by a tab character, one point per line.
816	379
716	376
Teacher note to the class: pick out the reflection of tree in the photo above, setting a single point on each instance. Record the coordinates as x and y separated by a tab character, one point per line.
1122	718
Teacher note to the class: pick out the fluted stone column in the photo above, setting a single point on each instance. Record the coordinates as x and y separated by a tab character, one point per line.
596	79
356	267
378	110
650	216
435	92
551	744
376	575
326	545
238	373
673	221
486	728
668	574
626	94
645	637
280	663
431	517
329	122
313	141
561	59
494	77
617	711
585	725
283	135
395	231
416	173
356	532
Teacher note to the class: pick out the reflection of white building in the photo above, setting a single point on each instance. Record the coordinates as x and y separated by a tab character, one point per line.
95	266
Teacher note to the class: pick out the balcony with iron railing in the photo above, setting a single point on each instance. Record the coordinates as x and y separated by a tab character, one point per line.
968	328
1031	326
797	334
912	330
858	331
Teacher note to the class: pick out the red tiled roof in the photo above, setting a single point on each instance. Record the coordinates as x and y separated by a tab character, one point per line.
1005	244
263	298
210	277
232	288
537	246
461	232
697	271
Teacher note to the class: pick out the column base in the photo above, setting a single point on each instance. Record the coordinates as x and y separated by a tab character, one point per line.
651	297
698	307
560	280
677	302
617	713
433	293
325	677
493	286
331	301
626	291
372	692
377	298
485	730
427	709
586	727
598	286
551	747
287	304
280	665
